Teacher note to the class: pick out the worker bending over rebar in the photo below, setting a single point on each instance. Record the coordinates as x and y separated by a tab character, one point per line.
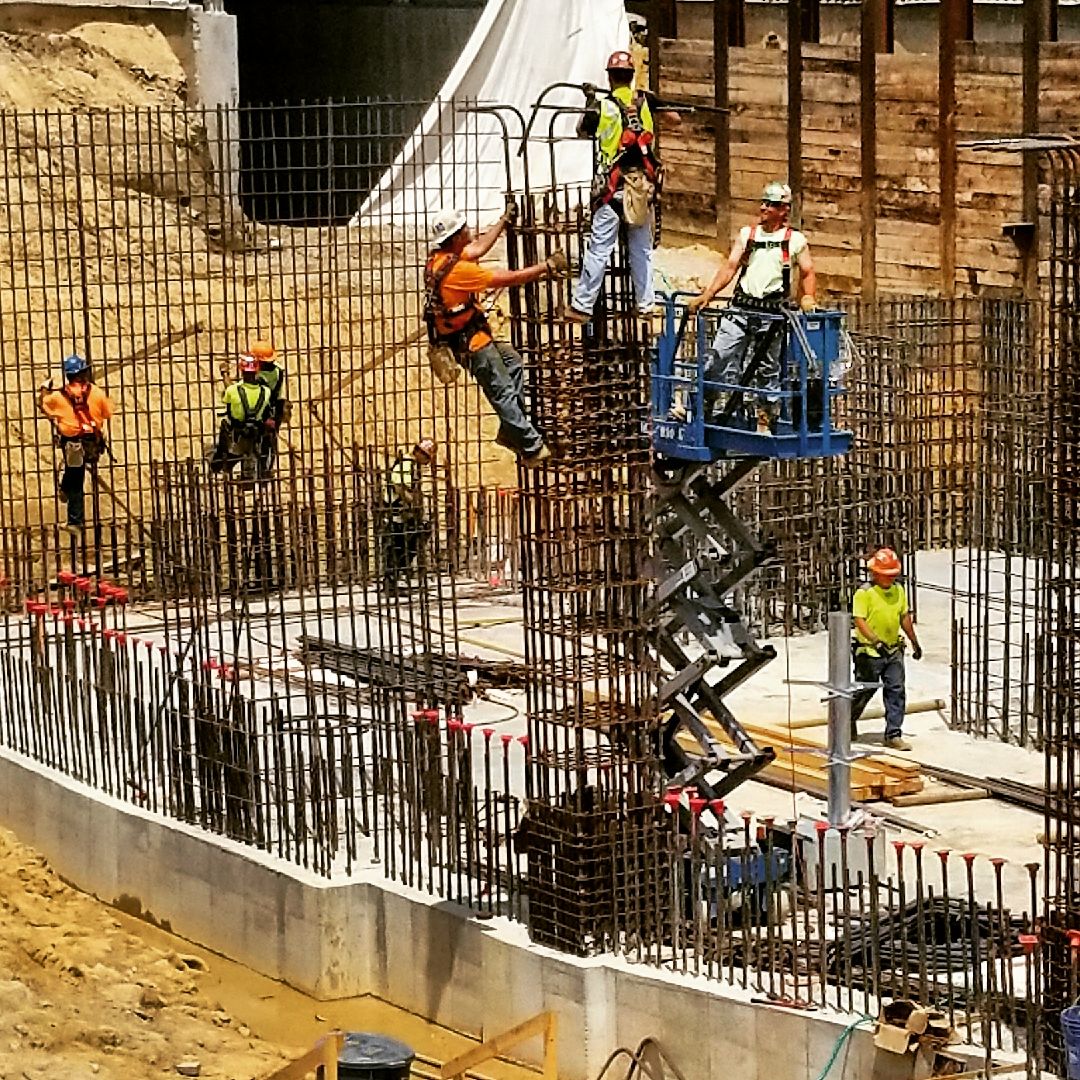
79	412
453	280
247	424
407	526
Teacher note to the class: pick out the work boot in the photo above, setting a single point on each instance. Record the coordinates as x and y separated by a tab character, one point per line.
503	440
572	315
72	529
532	460
897	743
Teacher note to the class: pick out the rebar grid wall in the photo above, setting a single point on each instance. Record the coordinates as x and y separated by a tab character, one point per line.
129	236
594	829
1062	666
915	384
998	581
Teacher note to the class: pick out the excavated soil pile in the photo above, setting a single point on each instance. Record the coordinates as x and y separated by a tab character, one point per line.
82	999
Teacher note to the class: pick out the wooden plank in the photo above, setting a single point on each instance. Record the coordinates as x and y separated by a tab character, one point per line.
936	794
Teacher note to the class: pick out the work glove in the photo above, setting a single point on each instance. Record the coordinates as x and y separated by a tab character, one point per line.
916	652
47	386
557	263
510	214
696	303
808	304
590	93
270	425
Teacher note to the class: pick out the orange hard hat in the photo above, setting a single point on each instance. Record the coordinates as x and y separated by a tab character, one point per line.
249	364
620	60
885	562
262	349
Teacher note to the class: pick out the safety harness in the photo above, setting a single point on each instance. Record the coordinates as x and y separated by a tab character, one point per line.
250	426
450	326
774	299
637	150
90	435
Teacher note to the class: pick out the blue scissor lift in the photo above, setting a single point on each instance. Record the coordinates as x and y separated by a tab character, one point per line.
705	447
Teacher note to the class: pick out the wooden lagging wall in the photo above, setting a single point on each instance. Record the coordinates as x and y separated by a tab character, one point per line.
908	189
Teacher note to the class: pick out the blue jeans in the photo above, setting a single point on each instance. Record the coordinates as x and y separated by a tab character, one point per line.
889	671
72	488
738	336
602	240
498	369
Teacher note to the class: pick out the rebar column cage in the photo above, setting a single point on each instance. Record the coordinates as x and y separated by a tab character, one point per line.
593	831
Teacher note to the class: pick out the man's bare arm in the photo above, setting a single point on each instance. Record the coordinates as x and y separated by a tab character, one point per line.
807	275
722	278
479	247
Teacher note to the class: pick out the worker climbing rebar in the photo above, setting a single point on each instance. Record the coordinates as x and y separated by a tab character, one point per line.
453	280
625	188
79	413
279	409
247	422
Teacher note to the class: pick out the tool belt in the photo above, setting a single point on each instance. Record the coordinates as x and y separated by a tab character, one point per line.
81	450
773	304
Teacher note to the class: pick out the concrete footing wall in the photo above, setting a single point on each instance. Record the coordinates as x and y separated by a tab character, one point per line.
367	936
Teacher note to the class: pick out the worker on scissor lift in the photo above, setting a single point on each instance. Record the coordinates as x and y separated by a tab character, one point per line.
625	188
453	278
406	524
761	262
79	413
246	422
880	611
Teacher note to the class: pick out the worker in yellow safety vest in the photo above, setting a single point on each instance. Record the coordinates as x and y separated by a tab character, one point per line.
625	187
245	424
406	523
880	610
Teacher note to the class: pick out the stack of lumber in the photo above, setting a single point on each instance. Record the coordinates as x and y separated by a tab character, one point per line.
801	765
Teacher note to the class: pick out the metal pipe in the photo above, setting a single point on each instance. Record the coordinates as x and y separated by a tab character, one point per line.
839	807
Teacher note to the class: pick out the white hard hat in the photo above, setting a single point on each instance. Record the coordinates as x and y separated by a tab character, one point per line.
777	191
447	222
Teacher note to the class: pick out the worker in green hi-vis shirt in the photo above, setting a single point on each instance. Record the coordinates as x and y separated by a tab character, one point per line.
880	611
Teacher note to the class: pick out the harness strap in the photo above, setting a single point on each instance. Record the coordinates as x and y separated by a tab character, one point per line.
784	243
252	412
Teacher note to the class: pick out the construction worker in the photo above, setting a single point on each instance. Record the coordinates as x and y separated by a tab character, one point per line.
272	375
625	187
453	278
747	346
79	413
406	524
880	611
245	424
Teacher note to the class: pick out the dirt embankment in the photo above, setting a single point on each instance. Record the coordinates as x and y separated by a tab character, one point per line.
83	999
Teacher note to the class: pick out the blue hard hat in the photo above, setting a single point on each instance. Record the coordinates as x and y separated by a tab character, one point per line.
75	365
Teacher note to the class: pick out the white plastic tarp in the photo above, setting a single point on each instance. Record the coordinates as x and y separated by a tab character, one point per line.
519	48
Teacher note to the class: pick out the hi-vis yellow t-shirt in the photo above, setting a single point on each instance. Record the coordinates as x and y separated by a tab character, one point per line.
882	609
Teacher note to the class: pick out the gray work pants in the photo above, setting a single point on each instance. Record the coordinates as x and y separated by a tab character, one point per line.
498	369
738	336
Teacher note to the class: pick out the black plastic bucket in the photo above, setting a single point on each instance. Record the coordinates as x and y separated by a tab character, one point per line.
374	1057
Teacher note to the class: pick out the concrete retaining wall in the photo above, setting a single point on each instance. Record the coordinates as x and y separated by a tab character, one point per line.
365	936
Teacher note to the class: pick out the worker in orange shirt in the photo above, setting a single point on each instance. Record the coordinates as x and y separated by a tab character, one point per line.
78	412
453	278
